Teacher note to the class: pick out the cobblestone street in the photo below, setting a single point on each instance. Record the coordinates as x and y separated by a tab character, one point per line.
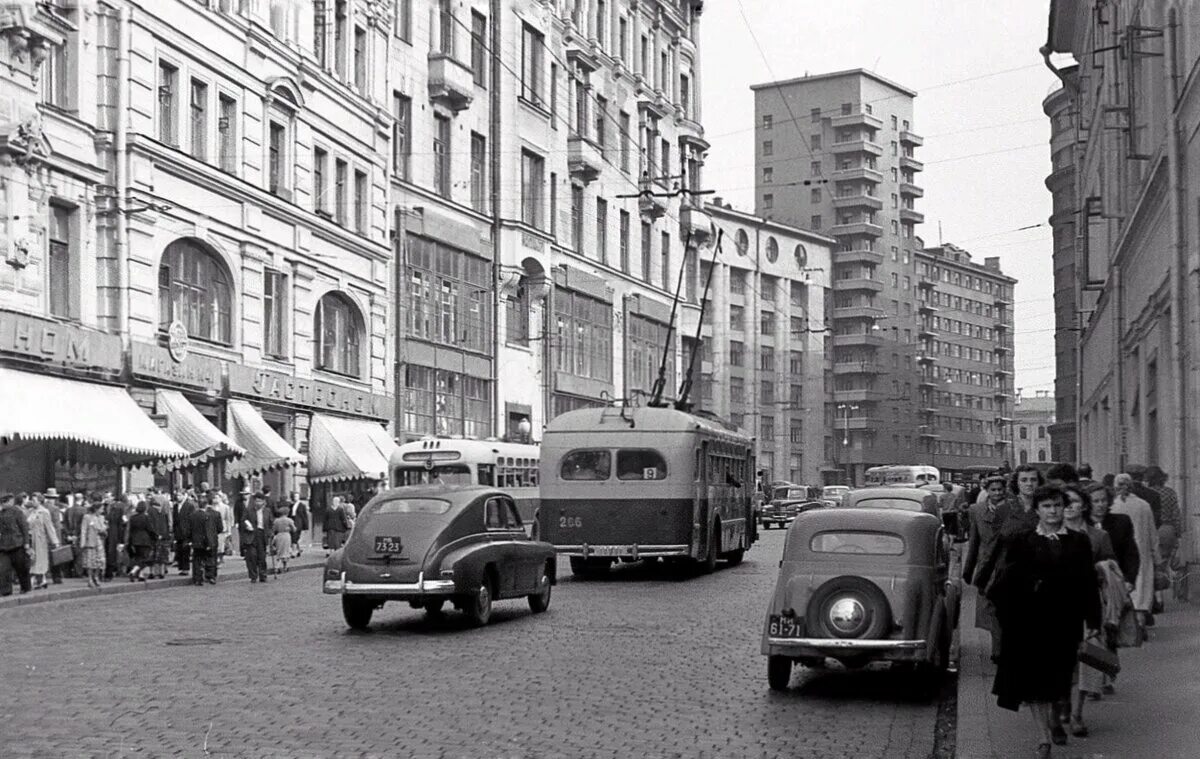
640	665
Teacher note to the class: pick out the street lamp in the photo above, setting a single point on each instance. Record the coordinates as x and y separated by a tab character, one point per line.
846	408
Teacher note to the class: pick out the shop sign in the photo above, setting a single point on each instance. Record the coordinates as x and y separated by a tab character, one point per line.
321	396
154	362
62	345
177	341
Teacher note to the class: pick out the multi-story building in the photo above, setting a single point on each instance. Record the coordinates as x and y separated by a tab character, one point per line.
1133	109
965	360
1033	422
1061	183
764	337
835	153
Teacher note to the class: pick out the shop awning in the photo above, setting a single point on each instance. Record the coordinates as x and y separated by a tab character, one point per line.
265	449
195	434
347	449
105	423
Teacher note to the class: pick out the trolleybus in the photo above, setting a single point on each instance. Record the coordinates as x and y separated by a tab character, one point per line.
512	467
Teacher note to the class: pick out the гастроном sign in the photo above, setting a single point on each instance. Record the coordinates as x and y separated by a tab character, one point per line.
63	345
315	394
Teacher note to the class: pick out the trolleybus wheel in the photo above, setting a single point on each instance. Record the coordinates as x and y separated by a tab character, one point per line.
709	564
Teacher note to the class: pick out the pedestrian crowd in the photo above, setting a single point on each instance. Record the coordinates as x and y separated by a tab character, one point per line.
47	536
1069	570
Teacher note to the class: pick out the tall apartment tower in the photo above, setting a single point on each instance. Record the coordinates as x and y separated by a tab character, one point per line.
834	153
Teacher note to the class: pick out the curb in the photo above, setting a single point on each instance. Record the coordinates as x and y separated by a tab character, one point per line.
972	735
73	594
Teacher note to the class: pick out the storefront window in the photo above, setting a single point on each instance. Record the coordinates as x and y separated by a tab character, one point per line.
645	349
195	289
450	295
338	329
442	402
584	328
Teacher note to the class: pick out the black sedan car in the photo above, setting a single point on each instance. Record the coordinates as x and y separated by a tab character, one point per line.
431	544
780	513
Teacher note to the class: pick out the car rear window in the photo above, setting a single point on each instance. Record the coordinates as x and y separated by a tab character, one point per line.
640	464
901	504
412	506
586	464
872	543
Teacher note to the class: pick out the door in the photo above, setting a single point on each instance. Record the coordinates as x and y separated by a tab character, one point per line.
503	548
526	557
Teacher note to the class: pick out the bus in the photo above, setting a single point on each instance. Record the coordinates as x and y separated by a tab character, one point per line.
912	475
630	483
512	467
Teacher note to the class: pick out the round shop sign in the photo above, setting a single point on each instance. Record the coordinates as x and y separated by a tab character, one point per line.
177	341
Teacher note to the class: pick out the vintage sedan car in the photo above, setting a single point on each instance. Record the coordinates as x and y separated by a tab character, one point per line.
859	585
781	512
431	544
836	493
890	497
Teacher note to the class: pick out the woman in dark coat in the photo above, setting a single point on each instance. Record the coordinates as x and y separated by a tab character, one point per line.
1045	594
337	525
140	540
114	513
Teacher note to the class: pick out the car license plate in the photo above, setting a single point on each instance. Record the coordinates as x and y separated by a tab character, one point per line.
609	550
387	545
785	627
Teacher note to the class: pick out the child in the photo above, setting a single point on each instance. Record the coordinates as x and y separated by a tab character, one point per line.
281	543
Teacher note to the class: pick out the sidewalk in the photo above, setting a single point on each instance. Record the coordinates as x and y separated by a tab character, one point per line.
232	570
1154	712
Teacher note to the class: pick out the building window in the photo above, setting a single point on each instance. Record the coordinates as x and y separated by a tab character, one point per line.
815	222
685	95
737	281
168	82
623	240
691	263
276	158
195	288
602	230
479	184
401	129
360	59
768	201
815	142
320	182
479	48
446	27
320	29
737	355
644	351
737	318
531	64
199	120
577	218
341	176
554	205
61	271
404	20
449	296
274	313
815	115
516	311
815	168
532	186
766	359
768	147
766	323
625	138
338	330
227	124
340	20
362	202
647	243
584	327
767	431
665	262
441	155
768	175
768	122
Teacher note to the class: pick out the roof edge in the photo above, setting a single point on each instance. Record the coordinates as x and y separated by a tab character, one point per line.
834	75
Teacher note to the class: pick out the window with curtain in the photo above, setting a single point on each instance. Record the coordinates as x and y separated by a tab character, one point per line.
195	288
338	335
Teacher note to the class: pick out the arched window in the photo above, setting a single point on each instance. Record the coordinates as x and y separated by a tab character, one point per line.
772	250
742	242
338	332
1041	454
195	288
1024	457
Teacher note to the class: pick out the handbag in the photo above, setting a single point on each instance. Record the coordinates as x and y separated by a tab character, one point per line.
1162	579
64	554
1098	657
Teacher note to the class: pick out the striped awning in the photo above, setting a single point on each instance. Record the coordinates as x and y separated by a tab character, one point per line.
105	423
265	449
195	434
347	449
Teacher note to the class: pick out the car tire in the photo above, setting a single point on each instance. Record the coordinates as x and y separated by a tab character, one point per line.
589	568
478	605
540	601
733	558
877	613
779	672
357	612
433	606
708	564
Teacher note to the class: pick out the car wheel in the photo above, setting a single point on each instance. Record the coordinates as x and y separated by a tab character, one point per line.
478	606
848	607
540	601
357	612
708	564
433	607
735	557
779	672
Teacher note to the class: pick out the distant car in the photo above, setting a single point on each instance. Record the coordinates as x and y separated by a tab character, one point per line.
781	513
893	497
860	585
835	492
429	545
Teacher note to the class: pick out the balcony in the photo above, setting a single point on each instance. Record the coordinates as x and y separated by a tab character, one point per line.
860	118
861	284
910	214
582	53
910	190
863	339
858	201
1000	300
857	396
1003	348
908	138
858	423
857	228
926	358
1001	392
584	159
652	104
856	146
929	434
451	83
927	380
858	312
926	330
863	173
1001	371
1001	325
926	307
652	207
910	163
926	282
859	367
861	256
696	222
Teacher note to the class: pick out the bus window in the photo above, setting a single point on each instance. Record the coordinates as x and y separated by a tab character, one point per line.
449	474
586	465
487	474
533	474
640	464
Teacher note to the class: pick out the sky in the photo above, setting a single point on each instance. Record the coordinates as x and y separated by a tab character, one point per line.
980	83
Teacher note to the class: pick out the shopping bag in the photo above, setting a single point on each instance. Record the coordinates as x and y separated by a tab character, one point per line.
62	555
1098	657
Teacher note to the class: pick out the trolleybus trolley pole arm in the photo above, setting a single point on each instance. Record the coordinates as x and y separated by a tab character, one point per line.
656	393
685	388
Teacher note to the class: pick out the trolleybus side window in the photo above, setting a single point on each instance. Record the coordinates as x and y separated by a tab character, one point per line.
586	464
640	464
487	474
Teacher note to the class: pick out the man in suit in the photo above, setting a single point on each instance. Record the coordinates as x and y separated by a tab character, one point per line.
204	529
982	543
182	519
72	521
255	531
1146	493
51	502
298	511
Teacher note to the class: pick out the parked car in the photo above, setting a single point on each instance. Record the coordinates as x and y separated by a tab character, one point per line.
835	492
860	585
429	545
891	497
781	513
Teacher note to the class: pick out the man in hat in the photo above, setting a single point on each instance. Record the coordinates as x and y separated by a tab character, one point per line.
255	528
72	522
52	505
204	527
183	531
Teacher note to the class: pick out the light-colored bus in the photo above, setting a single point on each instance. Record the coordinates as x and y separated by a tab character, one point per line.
512	467
912	475
645	482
